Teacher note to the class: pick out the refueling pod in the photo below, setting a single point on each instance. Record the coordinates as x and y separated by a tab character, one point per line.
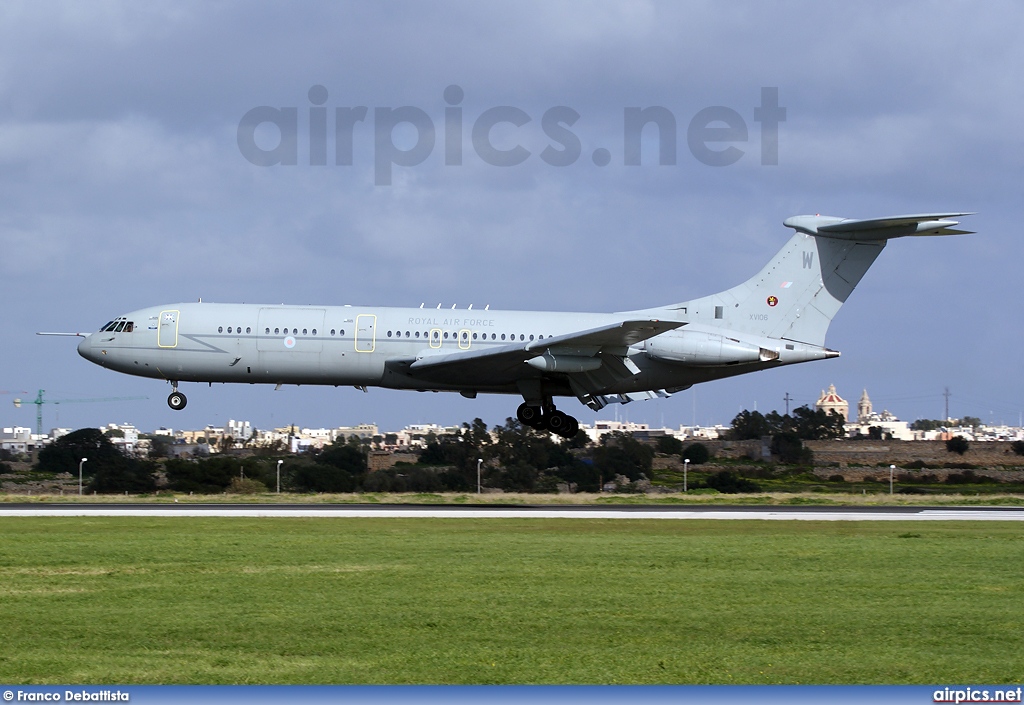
699	348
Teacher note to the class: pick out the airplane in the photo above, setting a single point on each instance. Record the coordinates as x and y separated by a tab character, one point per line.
778	317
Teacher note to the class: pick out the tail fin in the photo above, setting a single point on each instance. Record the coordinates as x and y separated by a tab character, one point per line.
801	289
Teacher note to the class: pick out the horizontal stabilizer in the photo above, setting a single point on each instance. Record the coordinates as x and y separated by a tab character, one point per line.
871	229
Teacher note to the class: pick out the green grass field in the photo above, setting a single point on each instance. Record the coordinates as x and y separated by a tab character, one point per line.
176	600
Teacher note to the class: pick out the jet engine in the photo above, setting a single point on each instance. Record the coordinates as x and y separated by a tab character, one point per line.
698	348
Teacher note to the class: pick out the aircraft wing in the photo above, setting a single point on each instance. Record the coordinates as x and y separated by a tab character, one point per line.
505	362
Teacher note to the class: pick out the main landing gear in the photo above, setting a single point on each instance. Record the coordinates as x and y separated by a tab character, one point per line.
548	418
176	400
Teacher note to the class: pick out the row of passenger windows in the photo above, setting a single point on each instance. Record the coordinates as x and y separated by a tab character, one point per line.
278	331
396	334
464	335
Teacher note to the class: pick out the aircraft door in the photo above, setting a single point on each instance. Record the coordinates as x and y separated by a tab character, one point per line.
167	333
464	339
435	337
366	332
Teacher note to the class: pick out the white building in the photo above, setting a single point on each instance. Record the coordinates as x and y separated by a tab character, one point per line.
867	419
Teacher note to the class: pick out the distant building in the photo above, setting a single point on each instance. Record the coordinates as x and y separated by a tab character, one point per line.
890	426
864	408
830	401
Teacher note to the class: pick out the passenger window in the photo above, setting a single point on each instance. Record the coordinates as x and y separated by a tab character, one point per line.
220	329
268	332
417	334
304	331
332	331
229	329
494	336
474	336
531	337
522	337
502	336
314	331
389	334
341	332
446	335
277	331
295	331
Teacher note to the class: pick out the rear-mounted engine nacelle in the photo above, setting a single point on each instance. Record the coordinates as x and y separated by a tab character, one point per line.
696	348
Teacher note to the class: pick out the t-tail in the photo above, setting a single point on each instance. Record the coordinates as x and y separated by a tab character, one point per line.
801	289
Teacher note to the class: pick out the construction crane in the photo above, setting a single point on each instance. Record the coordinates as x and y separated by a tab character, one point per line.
39	401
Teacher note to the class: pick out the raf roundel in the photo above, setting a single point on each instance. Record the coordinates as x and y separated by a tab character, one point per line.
289	342
773	300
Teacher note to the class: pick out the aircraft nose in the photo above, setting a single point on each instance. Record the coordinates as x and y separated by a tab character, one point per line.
86	349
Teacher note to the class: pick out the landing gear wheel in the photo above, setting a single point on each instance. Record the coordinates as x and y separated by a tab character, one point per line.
529	415
572	428
177	401
558	421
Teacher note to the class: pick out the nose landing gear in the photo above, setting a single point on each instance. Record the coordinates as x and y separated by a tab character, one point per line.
548	418
176	400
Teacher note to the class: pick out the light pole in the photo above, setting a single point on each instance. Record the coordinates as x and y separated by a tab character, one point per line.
686	466
84	460
279	476
479	462
892	469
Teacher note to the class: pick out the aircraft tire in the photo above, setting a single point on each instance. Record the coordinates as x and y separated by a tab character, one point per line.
571	428
529	415
558	421
177	401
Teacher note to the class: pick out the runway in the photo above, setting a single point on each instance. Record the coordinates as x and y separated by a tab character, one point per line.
497	511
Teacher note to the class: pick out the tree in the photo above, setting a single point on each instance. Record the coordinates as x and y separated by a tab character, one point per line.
159	447
669	445
621	454
790	449
1018	447
124	475
208	476
957	444
815	424
972	421
729	482
696	453
65	453
927	424
749	425
341	467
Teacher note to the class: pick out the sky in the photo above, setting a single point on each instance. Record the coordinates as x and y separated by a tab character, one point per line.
127	179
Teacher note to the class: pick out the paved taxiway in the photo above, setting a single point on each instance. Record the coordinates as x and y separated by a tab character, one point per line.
497	511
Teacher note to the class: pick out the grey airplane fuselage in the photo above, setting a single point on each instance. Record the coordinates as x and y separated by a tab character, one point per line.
349	345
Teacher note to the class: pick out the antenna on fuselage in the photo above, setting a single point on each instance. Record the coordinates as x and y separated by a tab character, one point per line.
453	307
487	307
439	307
421	305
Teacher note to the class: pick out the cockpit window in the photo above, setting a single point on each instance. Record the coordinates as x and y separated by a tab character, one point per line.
107	326
119	327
